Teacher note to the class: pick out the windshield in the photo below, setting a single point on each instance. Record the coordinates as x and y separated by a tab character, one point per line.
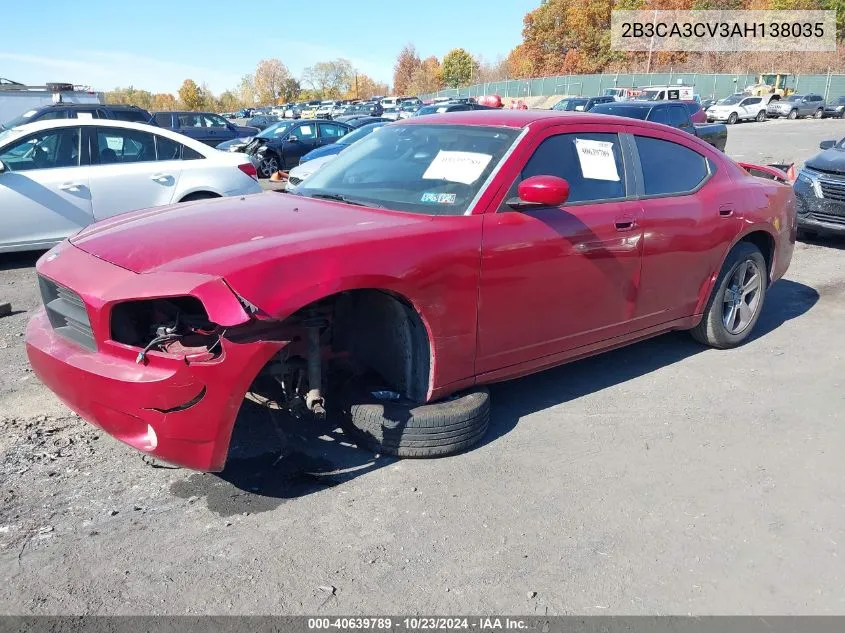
8	135
651	95
26	117
358	134
731	100
275	130
425	169
630	111
840	101
794	98
433	109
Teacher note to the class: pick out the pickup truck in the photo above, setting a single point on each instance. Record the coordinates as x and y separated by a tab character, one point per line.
431	258
669	113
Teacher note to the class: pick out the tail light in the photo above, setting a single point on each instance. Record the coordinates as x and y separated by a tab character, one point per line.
249	170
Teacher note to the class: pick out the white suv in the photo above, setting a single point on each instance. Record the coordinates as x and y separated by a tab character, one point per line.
738	107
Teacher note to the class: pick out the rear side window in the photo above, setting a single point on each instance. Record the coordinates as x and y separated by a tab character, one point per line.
163	119
167	149
134	116
669	168
190	154
678	116
577	158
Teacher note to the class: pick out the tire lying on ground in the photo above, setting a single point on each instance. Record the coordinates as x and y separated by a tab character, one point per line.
421	430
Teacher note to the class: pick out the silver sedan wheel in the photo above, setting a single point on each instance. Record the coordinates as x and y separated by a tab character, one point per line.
742	297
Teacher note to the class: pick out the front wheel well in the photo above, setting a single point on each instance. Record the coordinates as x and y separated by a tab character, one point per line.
199	195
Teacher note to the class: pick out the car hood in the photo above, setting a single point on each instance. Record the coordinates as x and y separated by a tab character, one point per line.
326	150
831	160
223	235
225	145
306	169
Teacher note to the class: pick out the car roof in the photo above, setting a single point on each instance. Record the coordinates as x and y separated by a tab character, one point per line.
525	118
50	124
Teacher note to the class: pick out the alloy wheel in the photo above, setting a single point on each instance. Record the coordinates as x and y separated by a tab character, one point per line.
742	297
268	166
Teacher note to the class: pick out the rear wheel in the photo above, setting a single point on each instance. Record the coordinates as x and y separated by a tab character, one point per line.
793	114
426	430
732	118
761	116
737	299
819	113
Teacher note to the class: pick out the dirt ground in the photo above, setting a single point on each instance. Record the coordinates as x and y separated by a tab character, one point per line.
661	478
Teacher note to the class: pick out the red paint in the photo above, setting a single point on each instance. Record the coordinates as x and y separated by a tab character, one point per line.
501	293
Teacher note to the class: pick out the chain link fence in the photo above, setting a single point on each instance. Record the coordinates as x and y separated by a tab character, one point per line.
708	85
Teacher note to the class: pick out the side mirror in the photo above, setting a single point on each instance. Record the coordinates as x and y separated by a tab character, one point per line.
293	138
540	191
826	144
2	166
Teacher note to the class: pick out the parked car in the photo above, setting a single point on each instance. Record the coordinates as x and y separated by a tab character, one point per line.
836	108
673	113
392	113
262	121
794	106
820	189
440	108
403	277
81	111
706	103
696	111
280	147
245	113
407	109
580	104
58	176
738	107
309	110
343	142
359	120
206	127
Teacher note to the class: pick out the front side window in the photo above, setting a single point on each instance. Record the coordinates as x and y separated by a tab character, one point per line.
191	120
668	167
116	146
424	169
659	115
44	150
212	120
590	162
304	132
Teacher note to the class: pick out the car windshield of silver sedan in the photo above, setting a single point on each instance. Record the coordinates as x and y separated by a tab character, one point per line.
425	169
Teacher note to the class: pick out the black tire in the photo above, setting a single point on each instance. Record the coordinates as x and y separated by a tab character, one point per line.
819	114
793	114
199	195
732	118
712	330
761	116
427	430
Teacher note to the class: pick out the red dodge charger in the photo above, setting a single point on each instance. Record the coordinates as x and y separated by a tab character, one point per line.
437	255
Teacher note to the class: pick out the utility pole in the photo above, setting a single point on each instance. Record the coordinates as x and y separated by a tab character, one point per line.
651	44
356	86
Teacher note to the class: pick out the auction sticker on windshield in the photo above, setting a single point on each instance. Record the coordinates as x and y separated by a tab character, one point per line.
463	167
597	160
439	198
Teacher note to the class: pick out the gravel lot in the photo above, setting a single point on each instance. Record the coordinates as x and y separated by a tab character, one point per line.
661	478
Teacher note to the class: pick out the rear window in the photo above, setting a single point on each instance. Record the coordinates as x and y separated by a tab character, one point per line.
134	116
632	112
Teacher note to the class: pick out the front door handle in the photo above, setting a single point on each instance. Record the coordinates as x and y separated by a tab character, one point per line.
70	186
160	177
726	210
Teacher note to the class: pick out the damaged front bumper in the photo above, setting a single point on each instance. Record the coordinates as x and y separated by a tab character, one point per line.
178	409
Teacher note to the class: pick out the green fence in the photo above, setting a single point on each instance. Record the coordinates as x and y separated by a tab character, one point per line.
709	86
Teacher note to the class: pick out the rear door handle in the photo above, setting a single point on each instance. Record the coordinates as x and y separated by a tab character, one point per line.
70	186
726	210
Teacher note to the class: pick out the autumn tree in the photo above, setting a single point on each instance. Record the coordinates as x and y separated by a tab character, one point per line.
330	79
246	90
364	87
269	80
291	90
190	95
130	96
229	101
164	101
407	64
459	68
427	78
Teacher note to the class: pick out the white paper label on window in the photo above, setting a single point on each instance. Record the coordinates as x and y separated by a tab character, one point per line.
463	167
305	130
84	115
597	161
